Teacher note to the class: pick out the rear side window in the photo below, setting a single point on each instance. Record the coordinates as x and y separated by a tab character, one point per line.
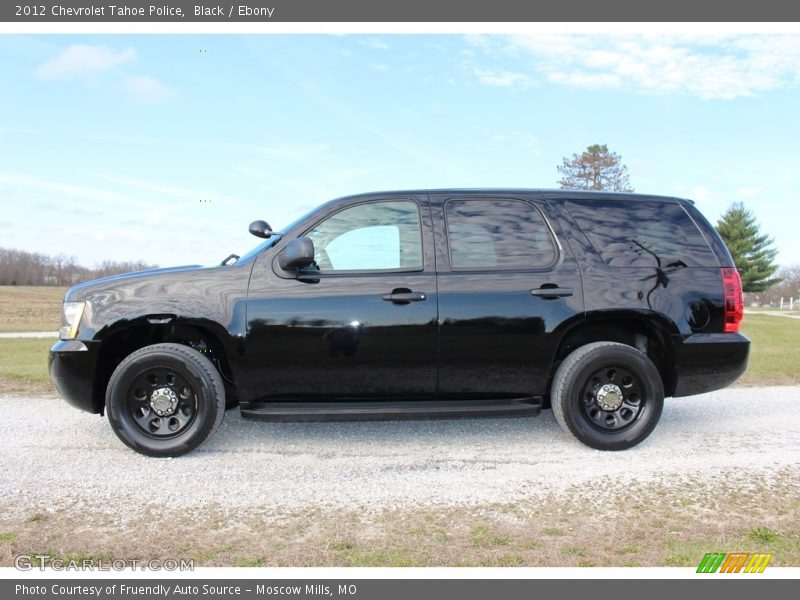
497	234
642	234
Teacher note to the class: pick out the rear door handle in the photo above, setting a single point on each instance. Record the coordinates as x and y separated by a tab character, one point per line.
551	293
398	297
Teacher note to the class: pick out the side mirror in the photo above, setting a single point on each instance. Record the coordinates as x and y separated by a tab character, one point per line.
298	253
261	229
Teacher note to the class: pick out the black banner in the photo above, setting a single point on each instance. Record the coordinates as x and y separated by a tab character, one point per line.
497	11
389	589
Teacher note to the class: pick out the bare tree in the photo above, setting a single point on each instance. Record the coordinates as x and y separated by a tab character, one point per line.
788	287
18	267
595	169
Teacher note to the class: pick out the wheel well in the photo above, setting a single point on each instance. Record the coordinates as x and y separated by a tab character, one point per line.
643	335
131	338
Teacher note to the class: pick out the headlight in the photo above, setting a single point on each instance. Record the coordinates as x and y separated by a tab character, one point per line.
71	313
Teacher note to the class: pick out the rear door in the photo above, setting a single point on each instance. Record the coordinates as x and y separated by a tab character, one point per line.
507	290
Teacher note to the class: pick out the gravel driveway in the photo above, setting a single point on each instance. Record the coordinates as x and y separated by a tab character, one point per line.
56	457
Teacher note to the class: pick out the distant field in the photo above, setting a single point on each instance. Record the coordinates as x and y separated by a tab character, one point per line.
23	366
775	350
774	358
30	308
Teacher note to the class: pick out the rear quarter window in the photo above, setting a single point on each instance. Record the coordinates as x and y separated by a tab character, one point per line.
642	234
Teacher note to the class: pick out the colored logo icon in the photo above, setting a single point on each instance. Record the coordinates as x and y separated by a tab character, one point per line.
736	562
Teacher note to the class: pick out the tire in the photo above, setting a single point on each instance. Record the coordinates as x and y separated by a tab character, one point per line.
608	395
165	400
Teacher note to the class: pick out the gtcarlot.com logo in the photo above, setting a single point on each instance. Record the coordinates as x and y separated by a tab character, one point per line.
737	562
28	562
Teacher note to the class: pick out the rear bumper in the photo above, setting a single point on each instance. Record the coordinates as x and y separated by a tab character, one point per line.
72	366
710	361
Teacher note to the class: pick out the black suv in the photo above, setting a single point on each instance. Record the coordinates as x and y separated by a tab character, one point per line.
415	303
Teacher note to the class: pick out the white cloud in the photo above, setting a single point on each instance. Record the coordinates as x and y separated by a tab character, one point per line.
79	60
587	80
749	192
146	89
294	151
503	78
57	189
153	187
710	68
702	194
375	43
518	139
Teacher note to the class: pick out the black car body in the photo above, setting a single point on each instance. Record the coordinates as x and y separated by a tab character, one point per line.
417	302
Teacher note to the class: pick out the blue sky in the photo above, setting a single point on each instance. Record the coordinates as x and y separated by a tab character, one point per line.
165	147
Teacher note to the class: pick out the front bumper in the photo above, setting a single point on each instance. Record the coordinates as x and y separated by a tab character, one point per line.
709	361
72	366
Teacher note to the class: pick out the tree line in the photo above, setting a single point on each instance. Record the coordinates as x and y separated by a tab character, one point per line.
18	267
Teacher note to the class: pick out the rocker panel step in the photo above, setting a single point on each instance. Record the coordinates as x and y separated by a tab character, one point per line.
369	410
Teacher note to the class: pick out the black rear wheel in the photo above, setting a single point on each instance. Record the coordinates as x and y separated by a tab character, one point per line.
608	395
165	400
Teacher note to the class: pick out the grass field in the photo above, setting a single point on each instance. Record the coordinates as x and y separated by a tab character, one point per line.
23	366
30	308
775	350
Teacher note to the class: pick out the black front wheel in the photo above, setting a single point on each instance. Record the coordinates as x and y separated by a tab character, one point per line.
608	395
165	400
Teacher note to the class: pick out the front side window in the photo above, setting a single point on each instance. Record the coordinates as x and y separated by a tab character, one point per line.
376	236
497	234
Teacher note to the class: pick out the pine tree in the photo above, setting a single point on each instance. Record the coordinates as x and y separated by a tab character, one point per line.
752	251
595	169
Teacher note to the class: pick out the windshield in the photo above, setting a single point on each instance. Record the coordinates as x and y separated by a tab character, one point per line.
258	249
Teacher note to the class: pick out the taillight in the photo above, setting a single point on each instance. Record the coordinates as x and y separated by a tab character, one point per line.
734	299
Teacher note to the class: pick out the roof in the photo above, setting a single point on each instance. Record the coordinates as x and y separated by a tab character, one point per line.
550	193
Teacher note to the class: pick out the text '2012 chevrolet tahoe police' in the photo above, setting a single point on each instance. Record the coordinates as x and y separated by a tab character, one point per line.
418	303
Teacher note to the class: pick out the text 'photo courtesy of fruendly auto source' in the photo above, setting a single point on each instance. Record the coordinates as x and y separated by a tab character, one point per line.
400	300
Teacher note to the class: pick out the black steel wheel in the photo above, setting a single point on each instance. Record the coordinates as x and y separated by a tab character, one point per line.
165	400
608	395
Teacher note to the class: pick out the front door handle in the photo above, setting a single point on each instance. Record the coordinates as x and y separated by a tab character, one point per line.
551	293
403	296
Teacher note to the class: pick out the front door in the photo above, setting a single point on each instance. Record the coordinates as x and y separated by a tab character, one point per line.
362	322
